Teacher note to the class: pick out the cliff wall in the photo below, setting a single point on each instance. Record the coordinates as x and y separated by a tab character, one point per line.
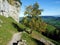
10	8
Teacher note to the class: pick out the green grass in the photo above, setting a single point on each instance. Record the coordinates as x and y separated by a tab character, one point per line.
6	30
28	38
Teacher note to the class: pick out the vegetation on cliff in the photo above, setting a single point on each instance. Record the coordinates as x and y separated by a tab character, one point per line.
12	2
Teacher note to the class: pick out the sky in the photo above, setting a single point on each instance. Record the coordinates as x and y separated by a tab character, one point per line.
50	7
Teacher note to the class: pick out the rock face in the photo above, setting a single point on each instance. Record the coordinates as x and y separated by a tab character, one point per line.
10	8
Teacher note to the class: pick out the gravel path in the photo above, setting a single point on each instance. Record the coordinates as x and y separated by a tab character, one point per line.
16	37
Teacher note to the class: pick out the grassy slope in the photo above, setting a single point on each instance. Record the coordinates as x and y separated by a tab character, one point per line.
36	35
6	30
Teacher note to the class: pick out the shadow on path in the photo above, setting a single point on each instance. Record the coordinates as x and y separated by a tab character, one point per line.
17	27
38	42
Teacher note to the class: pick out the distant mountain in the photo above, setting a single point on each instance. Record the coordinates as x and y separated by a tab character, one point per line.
52	20
46	18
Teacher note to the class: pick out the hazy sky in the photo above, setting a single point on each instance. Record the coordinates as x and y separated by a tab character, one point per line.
50	7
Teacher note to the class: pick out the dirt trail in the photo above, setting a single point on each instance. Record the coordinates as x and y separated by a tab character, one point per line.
16	37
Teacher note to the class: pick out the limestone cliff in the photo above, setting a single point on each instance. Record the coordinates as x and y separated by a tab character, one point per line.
10	8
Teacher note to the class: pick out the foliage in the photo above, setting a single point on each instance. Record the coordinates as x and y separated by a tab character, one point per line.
33	10
33	19
50	29
12	2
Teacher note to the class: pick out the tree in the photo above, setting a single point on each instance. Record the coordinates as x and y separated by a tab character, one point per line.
33	10
33	17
